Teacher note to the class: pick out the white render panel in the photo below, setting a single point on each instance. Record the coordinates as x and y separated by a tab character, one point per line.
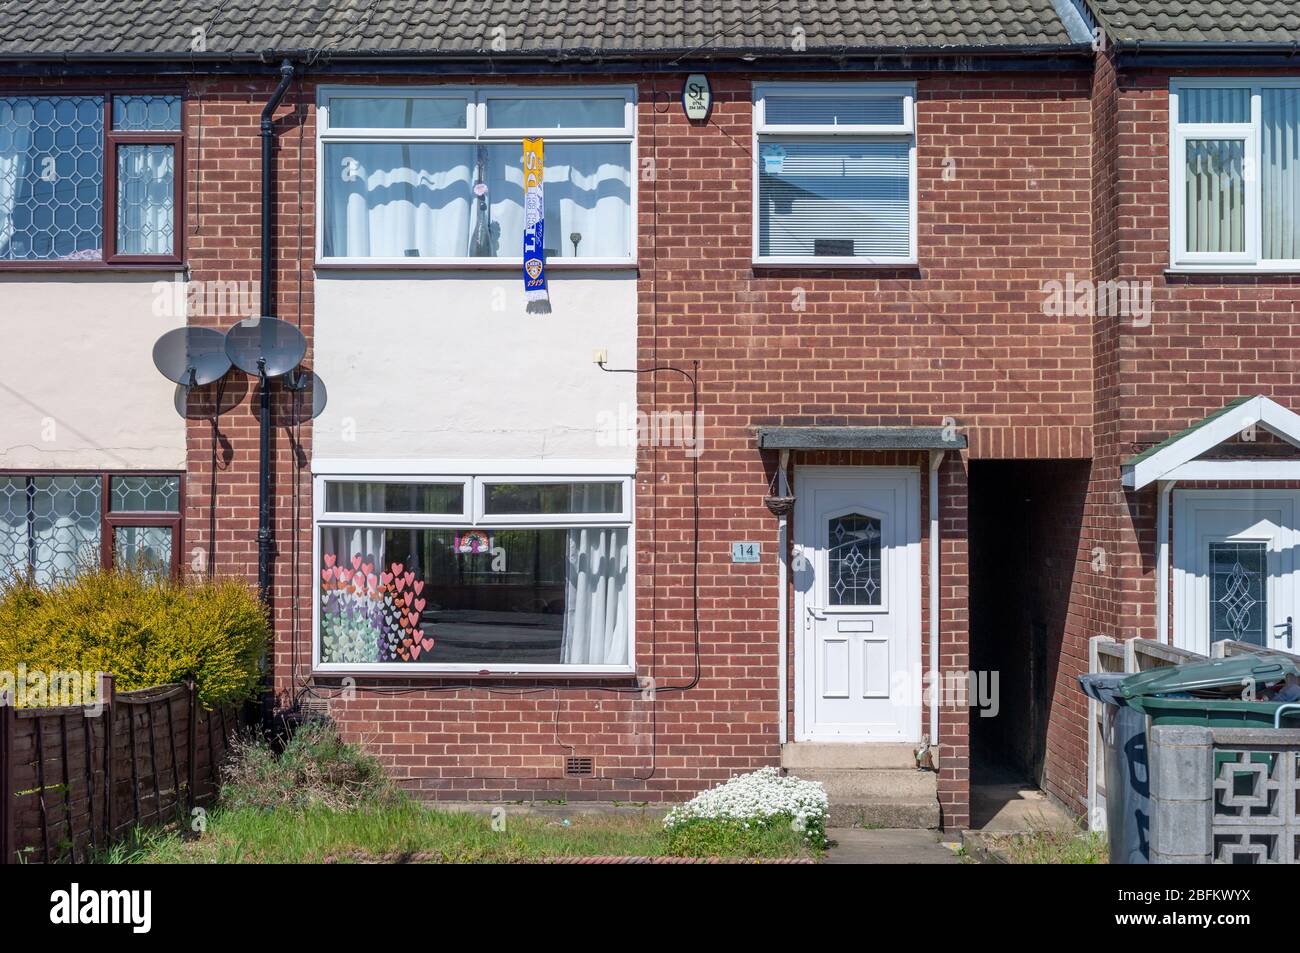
78	389
447	365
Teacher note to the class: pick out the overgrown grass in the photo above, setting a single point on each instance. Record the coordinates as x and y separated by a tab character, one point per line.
401	832
322	801
315	768
721	837
1055	845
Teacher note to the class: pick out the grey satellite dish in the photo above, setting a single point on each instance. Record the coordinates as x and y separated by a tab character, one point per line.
309	395
232	394
192	356
265	347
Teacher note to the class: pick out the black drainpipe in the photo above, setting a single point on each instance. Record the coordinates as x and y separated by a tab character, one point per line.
268	259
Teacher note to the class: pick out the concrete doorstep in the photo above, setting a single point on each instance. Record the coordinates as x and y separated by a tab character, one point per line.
852	845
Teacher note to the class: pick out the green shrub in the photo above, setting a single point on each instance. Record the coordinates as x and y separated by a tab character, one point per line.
316	768
144	631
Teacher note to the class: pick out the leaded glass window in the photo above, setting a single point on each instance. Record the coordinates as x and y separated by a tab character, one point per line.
1238	599
49	527
146	494
853	561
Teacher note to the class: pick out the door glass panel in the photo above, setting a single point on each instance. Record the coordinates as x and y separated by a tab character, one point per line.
143	549
853	561
1238	603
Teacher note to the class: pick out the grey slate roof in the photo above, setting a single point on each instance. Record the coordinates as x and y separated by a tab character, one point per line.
146	28
1199	21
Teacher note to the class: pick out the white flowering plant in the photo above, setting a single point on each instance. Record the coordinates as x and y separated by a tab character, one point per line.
749	813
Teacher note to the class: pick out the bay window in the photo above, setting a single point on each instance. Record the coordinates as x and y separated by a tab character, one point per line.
56	525
474	574
435	175
90	179
835	174
1235	174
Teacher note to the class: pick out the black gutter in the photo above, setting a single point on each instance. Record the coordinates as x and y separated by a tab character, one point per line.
268	255
1070	58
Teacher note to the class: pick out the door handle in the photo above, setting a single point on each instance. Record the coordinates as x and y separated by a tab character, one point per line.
1290	629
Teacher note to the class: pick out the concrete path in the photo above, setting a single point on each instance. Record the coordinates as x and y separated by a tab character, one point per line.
854	845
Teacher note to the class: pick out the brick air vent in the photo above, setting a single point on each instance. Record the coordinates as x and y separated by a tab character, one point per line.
579	767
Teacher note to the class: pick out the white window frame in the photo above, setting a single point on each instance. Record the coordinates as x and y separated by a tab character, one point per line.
900	132
321	518
1248	260
476	130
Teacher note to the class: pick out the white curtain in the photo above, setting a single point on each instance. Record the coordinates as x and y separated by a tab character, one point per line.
588	196
145	199
13	528
392	200
364	541
65	527
13	169
595	603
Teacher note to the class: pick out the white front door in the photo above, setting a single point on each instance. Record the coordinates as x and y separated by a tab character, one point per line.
857	572
1235	568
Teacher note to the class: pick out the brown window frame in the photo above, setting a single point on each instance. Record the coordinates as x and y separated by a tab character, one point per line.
110	259
110	521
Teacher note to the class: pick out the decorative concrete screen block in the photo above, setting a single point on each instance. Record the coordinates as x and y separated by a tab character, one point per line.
1224	795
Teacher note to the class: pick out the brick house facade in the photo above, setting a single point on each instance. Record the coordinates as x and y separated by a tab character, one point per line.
1038	162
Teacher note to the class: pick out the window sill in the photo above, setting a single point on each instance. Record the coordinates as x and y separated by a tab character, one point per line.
908	268
473	264
1232	270
469	672
91	266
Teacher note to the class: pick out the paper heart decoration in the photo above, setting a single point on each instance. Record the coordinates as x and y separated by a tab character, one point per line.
419	605
415	650
426	644
330	559
410	578
326	575
367	568
356	562
419	586
386	578
400	583
371	581
397	568
405	657
408	598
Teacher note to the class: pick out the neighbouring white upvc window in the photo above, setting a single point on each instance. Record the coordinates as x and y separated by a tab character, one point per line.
835	174
434	175
1234	173
493	574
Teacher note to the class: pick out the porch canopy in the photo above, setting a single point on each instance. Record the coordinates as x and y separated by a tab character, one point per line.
1177	457
860	438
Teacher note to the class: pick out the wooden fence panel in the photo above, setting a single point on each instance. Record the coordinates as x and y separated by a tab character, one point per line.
71	783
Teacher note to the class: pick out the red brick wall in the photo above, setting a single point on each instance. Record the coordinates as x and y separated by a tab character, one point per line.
963	336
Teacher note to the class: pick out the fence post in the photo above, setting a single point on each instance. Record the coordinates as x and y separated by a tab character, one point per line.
106	690
192	744
6	779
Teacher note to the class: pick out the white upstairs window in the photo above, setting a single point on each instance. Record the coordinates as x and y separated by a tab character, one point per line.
434	175
1235	174
835	174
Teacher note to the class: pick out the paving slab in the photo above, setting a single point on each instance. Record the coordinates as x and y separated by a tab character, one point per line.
854	845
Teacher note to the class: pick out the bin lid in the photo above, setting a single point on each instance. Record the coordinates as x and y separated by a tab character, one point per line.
1212	673
1103	686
